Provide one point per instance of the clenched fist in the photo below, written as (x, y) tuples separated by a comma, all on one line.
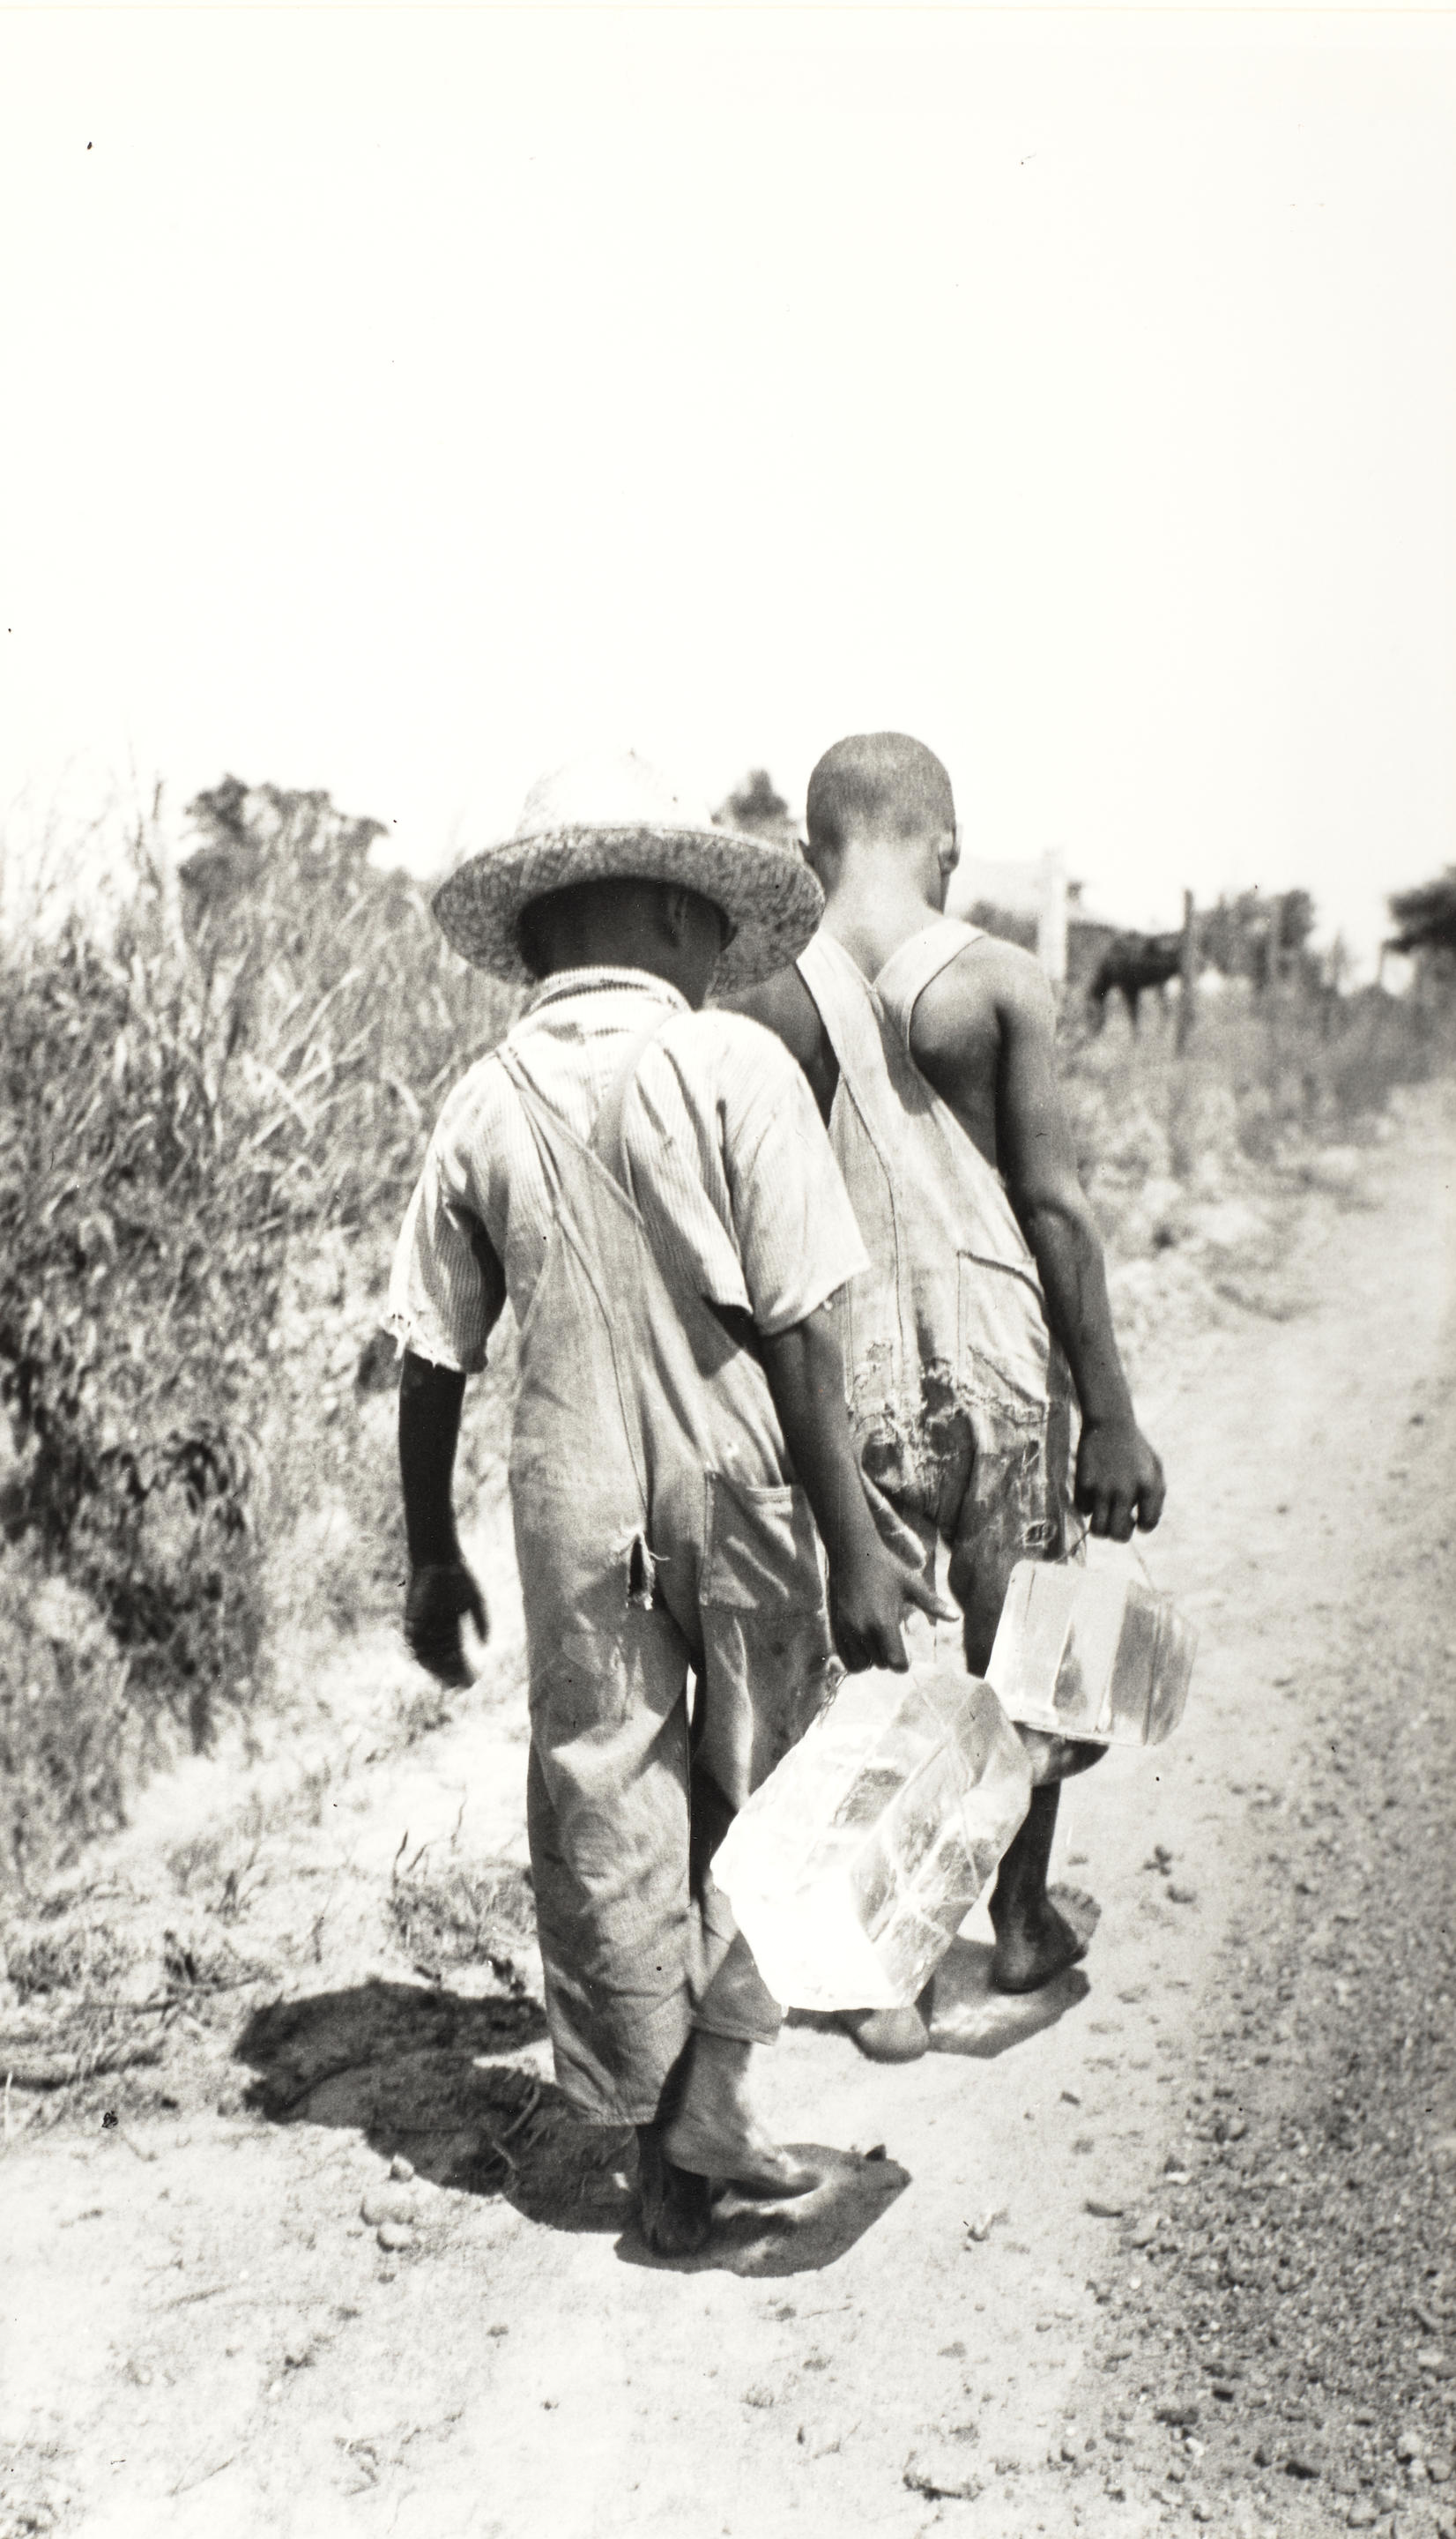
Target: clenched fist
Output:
[(1119, 1478), (438, 1598)]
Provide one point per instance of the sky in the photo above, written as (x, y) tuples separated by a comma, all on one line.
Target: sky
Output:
[(399, 402)]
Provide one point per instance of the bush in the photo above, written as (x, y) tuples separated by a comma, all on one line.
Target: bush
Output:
[(136, 1263), (67, 1729), (193, 1100)]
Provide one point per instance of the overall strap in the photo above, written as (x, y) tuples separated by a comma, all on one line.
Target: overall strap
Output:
[(914, 963), (556, 1139), (592, 1204), (848, 1006), (867, 1130), (608, 1144)]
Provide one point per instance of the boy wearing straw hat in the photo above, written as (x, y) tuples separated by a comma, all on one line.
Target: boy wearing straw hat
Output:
[(652, 1188)]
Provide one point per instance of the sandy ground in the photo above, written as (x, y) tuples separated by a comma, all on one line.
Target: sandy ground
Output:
[(987, 2316)]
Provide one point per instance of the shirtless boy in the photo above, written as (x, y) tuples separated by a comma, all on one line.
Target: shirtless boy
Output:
[(929, 1048)]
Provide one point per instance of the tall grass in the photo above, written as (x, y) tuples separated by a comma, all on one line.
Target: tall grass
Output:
[(192, 1102)]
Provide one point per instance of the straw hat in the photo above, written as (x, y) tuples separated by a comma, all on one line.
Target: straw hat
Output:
[(605, 817)]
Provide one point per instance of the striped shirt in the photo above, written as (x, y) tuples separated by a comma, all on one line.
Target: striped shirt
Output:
[(727, 1158)]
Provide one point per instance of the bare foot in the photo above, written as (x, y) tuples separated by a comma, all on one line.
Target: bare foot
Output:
[(674, 2205), (893, 2035), (1033, 1948), (1056, 1759), (717, 2132), (887, 2035)]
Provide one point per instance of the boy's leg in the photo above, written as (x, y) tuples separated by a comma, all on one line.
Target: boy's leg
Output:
[(675, 2204), (901, 2035), (765, 1647), (608, 1818), (607, 1811), (1015, 1508), (714, 2127)]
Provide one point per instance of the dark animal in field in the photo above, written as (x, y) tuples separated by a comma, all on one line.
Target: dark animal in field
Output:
[(1131, 963), (1426, 920)]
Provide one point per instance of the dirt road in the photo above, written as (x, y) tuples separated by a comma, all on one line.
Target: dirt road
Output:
[(1215, 2159)]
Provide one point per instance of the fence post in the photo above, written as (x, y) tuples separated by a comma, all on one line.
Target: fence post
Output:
[(1187, 973), (1051, 917)]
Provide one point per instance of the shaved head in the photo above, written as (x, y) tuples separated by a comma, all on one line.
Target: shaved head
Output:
[(878, 786)]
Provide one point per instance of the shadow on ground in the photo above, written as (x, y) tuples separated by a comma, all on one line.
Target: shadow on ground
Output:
[(971, 2019), (798, 2237), (968, 2017), (429, 2073)]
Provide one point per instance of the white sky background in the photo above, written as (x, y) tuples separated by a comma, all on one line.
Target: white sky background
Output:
[(399, 402)]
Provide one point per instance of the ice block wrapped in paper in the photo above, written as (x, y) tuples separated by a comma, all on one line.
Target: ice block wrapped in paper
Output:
[(1091, 1653), (853, 1866)]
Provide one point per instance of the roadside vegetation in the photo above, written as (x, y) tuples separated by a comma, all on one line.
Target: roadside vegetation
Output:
[(213, 1100), (214, 1092)]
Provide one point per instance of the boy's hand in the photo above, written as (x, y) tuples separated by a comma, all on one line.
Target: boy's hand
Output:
[(438, 1596), (867, 1595), (1119, 1478)]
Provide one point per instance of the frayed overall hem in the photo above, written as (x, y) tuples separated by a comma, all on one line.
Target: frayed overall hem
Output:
[(590, 2106), (738, 2032), (623, 2089), (616, 2119)]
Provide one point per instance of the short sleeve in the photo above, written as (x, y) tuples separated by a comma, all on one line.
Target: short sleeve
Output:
[(797, 1236), (447, 1286)]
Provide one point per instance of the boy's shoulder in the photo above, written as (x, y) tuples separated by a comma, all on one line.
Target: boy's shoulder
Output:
[(719, 1039), (987, 985), (473, 1096)]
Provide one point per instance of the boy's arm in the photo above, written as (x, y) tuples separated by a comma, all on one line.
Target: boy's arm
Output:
[(1119, 1478), (441, 1589), (869, 1587)]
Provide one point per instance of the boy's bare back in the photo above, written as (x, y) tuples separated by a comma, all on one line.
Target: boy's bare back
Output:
[(981, 1034)]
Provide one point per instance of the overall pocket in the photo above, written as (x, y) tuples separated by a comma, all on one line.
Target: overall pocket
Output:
[(760, 1547)]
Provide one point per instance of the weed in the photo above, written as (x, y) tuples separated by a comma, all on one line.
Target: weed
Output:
[(463, 1917), (195, 1963), (89, 1956)]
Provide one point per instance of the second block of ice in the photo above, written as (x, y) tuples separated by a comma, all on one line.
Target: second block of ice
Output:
[(1090, 1654), (853, 1867)]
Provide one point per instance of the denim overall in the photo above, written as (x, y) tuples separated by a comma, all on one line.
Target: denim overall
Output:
[(959, 1399), (657, 1531)]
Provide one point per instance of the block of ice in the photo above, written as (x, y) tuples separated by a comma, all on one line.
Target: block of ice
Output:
[(1091, 1653), (855, 1865)]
